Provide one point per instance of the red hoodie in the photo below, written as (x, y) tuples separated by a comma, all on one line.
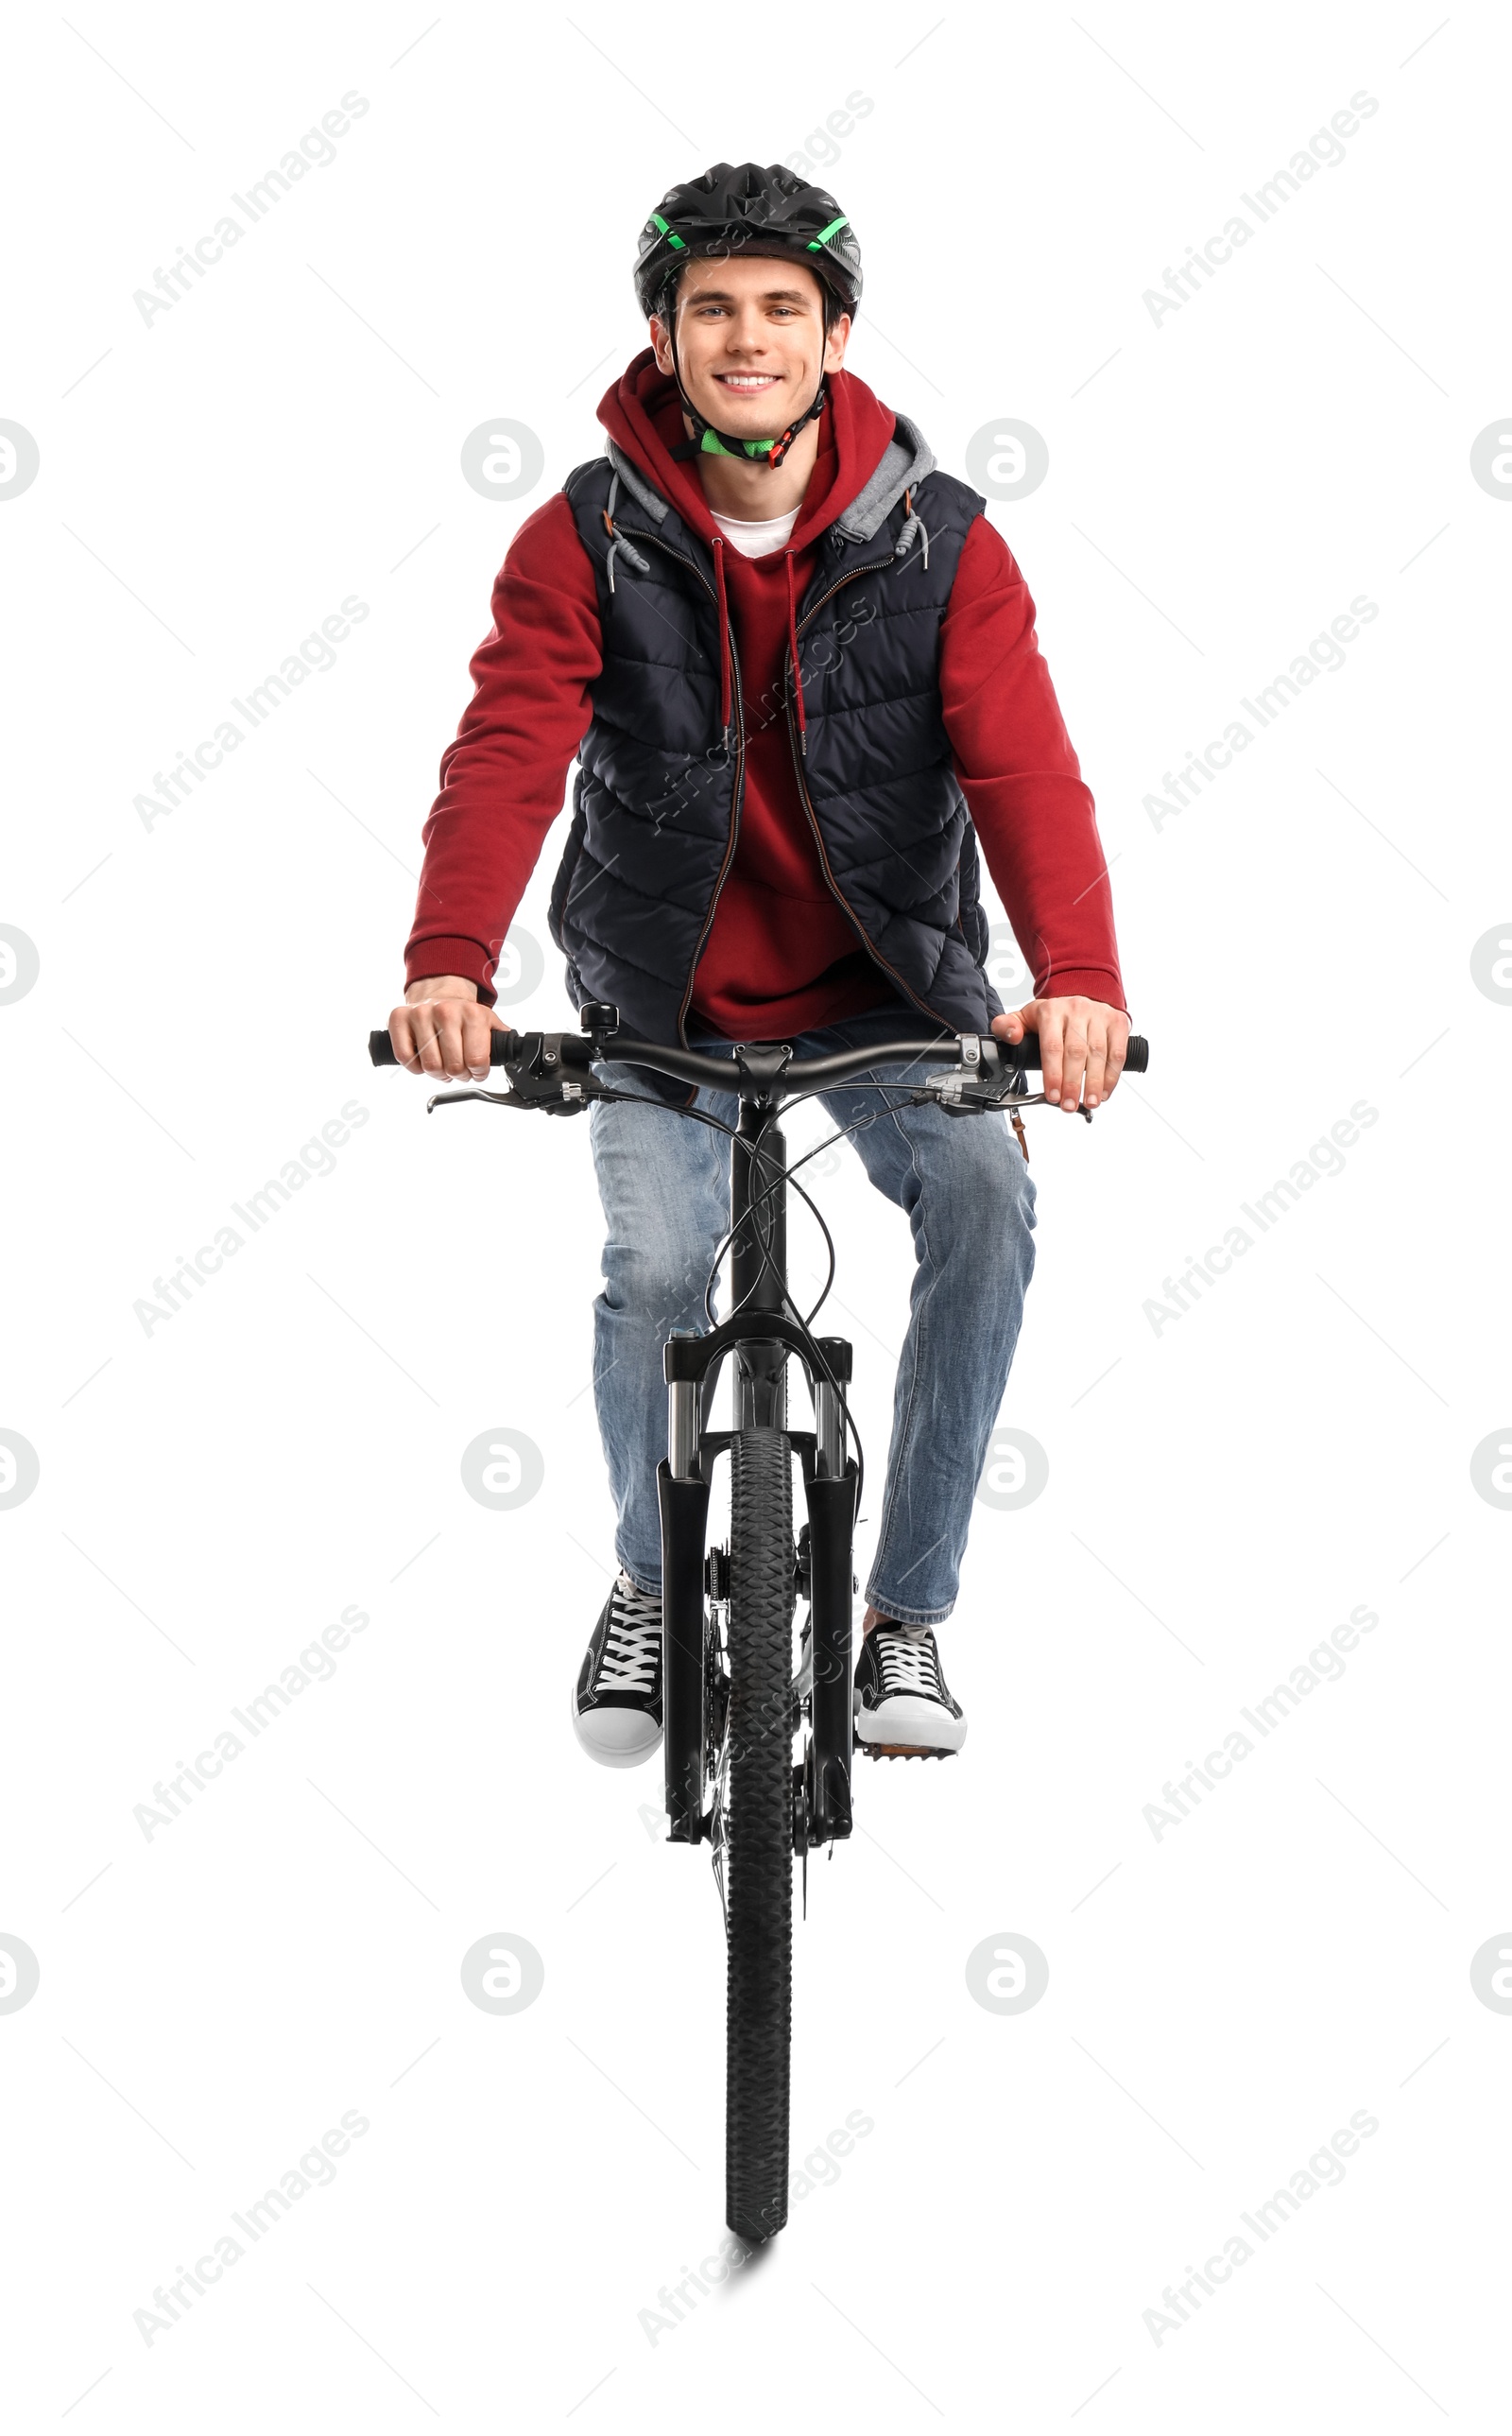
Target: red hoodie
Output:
[(782, 955)]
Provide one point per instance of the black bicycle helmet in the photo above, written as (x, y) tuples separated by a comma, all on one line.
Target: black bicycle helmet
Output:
[(756, 212), (749, 210)]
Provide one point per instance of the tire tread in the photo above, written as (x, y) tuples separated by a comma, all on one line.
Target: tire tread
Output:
[(759, 1857)]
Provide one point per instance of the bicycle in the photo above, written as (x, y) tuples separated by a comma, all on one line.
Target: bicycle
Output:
[(732, 1704)]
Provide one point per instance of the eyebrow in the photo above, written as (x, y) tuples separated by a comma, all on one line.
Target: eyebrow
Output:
[(768, 296)]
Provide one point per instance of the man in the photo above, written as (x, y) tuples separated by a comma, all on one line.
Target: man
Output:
[(798, 669)]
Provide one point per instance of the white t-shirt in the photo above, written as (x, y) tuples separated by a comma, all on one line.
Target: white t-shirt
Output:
[(756, 540)]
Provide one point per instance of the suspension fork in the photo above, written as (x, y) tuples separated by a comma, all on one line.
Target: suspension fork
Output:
[(758, 1158), (829, 1488), (758, 1278), (682, 1496), (759, 1281), (830, 1492)]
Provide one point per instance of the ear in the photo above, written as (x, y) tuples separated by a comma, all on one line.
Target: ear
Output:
[(835, 343), (661, 344)]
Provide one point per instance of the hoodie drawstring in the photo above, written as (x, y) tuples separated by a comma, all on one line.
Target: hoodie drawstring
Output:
[(724, 636), (792, 644), (609, 528), (618, 541), (915, 524)]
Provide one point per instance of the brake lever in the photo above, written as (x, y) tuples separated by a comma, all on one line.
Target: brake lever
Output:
[(1039, 1100), (961, 1095), (562, 1096), (449, 1100)]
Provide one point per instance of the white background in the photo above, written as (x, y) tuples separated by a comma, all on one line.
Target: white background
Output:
[(213, 1493)]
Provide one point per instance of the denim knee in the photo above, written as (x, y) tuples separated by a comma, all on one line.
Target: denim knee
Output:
[(976, 1190), (660, 1281)]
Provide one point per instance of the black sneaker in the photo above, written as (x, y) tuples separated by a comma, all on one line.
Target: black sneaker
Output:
[(617, 1701), (903, 1704)]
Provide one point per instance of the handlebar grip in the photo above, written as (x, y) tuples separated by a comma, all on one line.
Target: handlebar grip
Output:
[(1026, 1054), (503, 1047)]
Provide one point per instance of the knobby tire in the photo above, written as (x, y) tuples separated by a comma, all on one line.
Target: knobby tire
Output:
[(759, 1859)]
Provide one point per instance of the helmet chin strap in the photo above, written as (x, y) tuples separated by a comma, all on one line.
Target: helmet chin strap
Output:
[(709, 441)]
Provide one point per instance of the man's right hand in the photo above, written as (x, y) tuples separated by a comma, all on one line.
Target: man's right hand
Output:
[(441, 1029)]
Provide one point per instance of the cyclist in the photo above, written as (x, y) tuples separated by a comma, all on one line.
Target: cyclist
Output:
[(798, 669)]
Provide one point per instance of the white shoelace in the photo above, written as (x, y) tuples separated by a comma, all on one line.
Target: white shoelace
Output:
[(633, 1645), (908, 1664)]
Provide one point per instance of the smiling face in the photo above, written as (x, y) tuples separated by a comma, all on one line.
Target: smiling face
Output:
[(750, 341)]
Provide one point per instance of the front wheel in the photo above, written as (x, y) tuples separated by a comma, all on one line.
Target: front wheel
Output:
[(758, 1832)]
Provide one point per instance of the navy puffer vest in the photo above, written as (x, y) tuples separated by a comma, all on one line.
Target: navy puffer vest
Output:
[(657, 804)]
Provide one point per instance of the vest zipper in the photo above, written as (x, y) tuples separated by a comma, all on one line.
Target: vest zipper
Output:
[(737, 784), (835, 889)]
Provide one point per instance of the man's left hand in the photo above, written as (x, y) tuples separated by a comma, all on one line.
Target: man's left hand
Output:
[(1081, 1046)]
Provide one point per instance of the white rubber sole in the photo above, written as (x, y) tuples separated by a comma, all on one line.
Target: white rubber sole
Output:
[(631, 1753), (905, 1724)]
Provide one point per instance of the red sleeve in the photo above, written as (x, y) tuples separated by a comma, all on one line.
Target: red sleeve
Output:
[(503, 779), (1021, 779)]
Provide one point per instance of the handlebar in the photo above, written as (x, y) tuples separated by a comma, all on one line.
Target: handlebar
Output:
[(580, 1050)]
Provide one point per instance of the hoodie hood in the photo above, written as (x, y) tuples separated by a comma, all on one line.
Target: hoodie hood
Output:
[(868, 460), (868, 456)]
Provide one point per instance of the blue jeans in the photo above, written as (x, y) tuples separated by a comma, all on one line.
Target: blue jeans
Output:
[(663, 1181)]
